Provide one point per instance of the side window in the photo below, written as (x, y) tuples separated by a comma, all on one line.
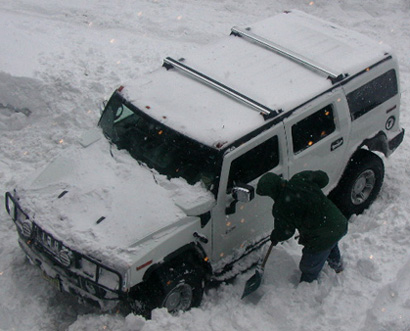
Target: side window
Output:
[(254, 163), (372, 94), (312, 129)]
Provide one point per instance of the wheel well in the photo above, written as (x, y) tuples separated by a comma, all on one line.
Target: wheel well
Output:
[(378, 143), (358, 155), (191, 253)]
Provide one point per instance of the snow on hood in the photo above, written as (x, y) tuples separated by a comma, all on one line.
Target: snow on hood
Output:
[(101, 202)]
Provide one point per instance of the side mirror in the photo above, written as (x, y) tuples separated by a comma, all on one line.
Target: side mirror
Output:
[(240, 193), (243, 193)]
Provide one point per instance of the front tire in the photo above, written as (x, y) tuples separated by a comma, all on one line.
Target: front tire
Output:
[(360, 183), (182, 288)]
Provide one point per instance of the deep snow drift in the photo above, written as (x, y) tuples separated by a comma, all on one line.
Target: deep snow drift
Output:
[(59, 60)]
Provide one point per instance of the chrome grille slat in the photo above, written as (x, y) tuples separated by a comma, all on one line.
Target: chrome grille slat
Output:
[(50, 245)]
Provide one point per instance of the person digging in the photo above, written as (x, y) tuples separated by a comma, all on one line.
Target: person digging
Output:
[(300, 204)]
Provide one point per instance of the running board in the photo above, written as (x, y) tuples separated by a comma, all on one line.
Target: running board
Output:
[(266, 112), (245, 33)]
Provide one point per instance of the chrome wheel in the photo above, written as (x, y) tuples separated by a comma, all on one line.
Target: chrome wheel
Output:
[(363, 187), (179, 298)]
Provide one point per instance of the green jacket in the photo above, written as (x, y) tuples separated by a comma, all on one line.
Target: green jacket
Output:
[(300, 204)]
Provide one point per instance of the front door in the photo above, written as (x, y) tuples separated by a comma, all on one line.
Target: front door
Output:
[(238, 226)]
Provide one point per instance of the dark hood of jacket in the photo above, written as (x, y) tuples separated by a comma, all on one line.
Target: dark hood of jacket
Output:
[(270, 185)]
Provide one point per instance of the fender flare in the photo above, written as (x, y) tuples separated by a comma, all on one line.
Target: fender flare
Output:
[(378, 143), (192, 252)]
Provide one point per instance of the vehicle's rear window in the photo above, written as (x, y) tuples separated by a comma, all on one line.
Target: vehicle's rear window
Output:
[(372, 94)]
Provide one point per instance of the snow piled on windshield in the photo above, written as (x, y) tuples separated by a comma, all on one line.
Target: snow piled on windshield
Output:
[(59, 60)]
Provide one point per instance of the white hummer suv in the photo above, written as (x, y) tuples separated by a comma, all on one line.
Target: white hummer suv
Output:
[(167, 203)]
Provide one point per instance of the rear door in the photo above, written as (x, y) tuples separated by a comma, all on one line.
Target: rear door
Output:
[(318, 134)]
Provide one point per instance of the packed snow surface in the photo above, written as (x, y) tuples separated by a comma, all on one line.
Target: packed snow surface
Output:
[(60, 59)]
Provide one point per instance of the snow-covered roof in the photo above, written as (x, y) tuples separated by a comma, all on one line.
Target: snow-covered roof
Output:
[(273, 80)]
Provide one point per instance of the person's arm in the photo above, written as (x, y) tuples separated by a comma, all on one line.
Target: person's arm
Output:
[(284, 229), (320, 178)]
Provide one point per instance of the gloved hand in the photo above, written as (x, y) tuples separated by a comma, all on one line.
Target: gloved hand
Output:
[(273, 239)]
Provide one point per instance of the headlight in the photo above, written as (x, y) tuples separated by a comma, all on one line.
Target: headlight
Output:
[(108, 279), (14, 210), (125, 282), (10, 206)]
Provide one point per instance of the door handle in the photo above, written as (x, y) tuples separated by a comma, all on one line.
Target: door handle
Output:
[(336, 144)]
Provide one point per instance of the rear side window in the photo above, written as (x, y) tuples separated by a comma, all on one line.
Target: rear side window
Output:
[(254, 163), (312, 129), (372, 94)]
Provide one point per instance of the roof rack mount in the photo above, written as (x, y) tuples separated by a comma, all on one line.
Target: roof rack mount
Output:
[(245, 33), (266, 112)]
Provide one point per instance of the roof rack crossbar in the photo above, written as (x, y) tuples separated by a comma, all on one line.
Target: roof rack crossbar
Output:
[(334, 77), (266, 112)]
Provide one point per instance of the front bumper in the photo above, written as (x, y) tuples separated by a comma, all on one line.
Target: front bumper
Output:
[(68, 270), (73, 285)]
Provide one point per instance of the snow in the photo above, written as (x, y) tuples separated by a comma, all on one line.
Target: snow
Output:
[(341, 50), (237, 63), (59, 59), (100, 186)]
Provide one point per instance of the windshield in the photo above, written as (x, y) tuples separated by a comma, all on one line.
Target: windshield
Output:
[(159, 147)]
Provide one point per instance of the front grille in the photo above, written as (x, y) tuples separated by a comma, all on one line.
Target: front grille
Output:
[(52, 247), (70, 263), (40, 246)]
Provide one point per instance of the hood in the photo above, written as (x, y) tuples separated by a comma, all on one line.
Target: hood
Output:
[(100, 200)]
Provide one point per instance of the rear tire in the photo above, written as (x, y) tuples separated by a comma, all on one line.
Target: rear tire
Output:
[(360, 183)]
